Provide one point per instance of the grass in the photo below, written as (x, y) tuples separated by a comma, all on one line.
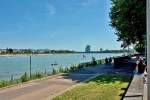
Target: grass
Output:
[(103, 87)]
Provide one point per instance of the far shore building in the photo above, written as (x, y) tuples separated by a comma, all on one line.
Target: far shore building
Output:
[(88, 48), (2, 51), (16, 51)]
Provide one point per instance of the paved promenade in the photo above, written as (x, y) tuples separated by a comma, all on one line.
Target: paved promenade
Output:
[(136, 89), (45, 88)]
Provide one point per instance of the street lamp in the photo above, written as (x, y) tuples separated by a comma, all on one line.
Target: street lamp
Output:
[(30, 66), (145, 46), (148, 45)]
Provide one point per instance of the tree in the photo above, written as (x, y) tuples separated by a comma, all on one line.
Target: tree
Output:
[(128, 17), (9, 50), (101, 49)]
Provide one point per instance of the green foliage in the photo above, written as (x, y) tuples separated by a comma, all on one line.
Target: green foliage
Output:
[(49, 73), (12, 78), (27, 51), (25, 77), (66, 70), (99, 61), (140, 48), (93, 62), (45, 72), (39, 75), (16, 81), (72, 68), (128, 17), (9, 50), (87, 64), (61, 70), (79, 66), (54, 71), (4, 83), (102, 61)]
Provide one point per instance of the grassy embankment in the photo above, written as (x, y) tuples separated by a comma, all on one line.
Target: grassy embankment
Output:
[(25, 77), (103, 87)]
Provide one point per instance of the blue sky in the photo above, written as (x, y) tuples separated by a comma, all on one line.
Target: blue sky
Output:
[(56, 24)]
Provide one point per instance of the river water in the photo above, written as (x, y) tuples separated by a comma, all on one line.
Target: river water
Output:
[(17, 65)]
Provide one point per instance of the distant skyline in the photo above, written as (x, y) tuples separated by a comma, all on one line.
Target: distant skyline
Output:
[(56, 24)]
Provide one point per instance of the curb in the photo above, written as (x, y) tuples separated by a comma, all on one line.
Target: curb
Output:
[(130, 92), (145, 94)]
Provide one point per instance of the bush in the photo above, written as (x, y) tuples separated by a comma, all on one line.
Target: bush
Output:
[(54, 71), (79, 66), (87, 64), (16, 81), (45, 72), (11, 79), (93, 62), (25, 77), (99, 62), (38, 75), (73, 68), (4, 83), (61, 70), (66, 70), (49, 73)]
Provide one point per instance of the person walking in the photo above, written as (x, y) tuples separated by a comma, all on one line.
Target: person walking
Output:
[(106, 60)]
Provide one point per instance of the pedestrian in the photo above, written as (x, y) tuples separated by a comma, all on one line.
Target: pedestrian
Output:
[(110, 60), (137, 62), (106, 60), (141, 66)]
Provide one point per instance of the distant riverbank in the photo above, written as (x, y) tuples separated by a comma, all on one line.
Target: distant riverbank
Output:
[(11, 55)]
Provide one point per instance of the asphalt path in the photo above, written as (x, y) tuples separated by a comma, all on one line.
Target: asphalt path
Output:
[(50, 86)]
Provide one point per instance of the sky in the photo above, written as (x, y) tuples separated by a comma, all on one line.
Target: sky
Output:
[(56, 24)]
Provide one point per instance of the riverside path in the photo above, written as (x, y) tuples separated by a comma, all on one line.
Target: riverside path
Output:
[(48, 87)]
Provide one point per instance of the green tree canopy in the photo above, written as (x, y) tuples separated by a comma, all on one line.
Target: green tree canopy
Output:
[(128, 17)]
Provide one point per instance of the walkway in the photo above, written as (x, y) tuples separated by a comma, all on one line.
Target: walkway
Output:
[(136, 89), (43, 89)]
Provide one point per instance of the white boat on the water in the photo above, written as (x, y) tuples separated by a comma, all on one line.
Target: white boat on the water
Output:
[(54, 64)]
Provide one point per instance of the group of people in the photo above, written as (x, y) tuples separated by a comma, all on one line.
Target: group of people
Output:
[(108, 60), (141, 66)]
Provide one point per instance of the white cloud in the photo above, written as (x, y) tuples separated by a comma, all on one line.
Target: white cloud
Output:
[(51, 9), (88, 3), (85, 4)]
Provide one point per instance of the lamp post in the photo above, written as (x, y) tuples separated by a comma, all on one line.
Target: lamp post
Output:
[(145, 47), (30, 67), (148, 45)]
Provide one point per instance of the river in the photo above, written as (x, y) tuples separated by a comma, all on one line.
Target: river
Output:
[(17, 65)]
